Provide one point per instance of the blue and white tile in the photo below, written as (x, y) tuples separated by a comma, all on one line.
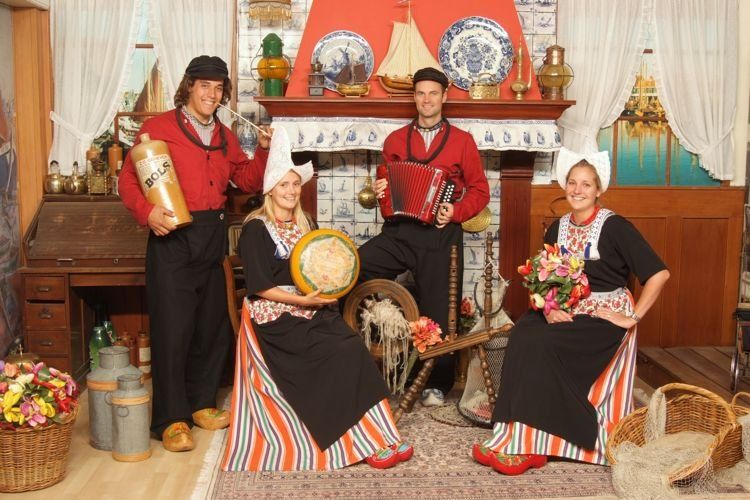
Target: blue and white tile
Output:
[(368, 215), (524, 5), (544, 23), (247, 90), (345, 227), (325, 186), (545, 5), (541, 42), (325, 210), (473, 257), (249, 110), (343, 209), (342, 187), (495, 191), (527, 21), (363, 232), (343, 163)]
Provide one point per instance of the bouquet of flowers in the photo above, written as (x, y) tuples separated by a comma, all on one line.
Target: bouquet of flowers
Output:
[(424, 333), (468, 315), (555, 279), (34, 395)]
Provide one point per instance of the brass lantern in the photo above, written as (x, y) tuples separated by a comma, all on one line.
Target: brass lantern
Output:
[(271, 10), (555, 75)]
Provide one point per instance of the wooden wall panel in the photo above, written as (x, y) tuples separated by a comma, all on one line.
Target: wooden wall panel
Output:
[(698, 234), (33, 83)]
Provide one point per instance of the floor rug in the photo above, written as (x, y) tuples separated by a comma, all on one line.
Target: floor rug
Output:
[(441, 468)]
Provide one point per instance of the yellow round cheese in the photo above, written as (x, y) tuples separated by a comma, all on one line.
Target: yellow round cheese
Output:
[(325, 260)]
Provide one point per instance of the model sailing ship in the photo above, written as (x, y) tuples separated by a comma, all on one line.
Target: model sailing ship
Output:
[(352, 81), (407, 52)]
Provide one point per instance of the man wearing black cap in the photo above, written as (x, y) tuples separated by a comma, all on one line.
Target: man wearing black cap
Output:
[(405, 244), (190, 332)]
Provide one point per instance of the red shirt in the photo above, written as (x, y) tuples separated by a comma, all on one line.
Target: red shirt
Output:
[(203, 175), (459, 157)]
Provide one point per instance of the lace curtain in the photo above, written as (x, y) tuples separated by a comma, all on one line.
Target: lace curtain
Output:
[(603, 43), (92, 47), (696, 48), (184, 29)]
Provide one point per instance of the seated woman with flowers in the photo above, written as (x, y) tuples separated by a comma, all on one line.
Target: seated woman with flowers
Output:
[(307, 394), (558, 362)]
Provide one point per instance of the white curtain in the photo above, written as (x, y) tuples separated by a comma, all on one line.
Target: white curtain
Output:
[(696, 49), (184, 29), (92, 47), (603, 41)]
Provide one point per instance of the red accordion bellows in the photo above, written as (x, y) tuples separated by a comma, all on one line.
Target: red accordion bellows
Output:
[(414, 190)]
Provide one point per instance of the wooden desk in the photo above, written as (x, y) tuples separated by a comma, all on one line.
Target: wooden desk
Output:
[(79, 252)]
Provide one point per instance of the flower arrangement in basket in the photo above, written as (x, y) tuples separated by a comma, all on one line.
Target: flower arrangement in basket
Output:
[(38, 405), (555, 279)]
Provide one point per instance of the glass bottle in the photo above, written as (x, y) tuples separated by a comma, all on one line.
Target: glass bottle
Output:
[(110, 329), (98, 340)]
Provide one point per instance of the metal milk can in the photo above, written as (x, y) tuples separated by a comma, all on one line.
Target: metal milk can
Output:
[(113, 362), (131, 437)]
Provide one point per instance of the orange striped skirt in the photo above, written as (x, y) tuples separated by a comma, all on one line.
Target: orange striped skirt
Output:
[(612, 397), (266, 434)]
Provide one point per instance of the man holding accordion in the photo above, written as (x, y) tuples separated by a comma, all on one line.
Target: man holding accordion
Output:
[(432, 180)]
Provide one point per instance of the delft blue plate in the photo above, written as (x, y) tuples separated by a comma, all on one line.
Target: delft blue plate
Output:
[(475, 45), (340, 48)]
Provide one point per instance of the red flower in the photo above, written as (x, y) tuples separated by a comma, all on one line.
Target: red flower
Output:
[(526, 269)]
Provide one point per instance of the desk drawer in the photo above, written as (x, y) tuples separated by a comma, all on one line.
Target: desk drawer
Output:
[(45, 288), (43, 316), (48, 343)]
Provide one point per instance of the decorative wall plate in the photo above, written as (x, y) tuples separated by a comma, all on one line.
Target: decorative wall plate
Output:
[(325, 260), (339, 49), (475, 45)]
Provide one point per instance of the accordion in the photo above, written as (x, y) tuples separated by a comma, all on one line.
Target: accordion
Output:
[(414, 190)]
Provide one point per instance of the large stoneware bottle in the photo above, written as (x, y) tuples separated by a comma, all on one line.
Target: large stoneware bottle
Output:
[(158, 179)]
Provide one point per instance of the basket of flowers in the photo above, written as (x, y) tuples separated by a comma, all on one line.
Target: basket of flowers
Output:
[(38, 406)]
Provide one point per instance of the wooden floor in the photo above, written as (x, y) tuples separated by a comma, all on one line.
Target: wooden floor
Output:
[(94, 474), (706, 367)]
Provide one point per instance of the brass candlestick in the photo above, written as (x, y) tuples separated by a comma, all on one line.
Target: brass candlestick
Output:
[(519, 86)]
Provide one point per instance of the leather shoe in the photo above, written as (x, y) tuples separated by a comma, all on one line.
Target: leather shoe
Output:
[(211, 419), (177, 437)]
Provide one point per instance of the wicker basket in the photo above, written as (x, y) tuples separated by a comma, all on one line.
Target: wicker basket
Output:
[(32, 459), (697, 410), (731, 448)]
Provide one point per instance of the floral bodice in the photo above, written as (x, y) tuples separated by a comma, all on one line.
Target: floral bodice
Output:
[(285, 236)]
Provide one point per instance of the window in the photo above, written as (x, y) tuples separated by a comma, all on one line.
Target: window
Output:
[(144, 93), (643, 148)]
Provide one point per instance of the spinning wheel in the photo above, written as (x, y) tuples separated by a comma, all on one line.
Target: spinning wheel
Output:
[(378, 289)]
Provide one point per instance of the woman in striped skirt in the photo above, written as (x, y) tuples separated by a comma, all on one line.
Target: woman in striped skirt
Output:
[(307, 394), (567, 378)]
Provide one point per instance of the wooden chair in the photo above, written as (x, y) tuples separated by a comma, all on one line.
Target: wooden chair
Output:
[(235, 296)]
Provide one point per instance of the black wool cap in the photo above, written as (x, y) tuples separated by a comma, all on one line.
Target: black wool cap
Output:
[(208, 67), (432, 75)]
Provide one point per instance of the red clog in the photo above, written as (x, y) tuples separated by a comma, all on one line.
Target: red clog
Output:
[(385, 458), (513, 465), (481, 454), (403, 451)]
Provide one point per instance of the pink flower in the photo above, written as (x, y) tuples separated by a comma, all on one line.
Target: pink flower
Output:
[(549, 301), (425, 333)]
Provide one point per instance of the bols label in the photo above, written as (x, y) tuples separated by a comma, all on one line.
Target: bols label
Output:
[(155, 171)]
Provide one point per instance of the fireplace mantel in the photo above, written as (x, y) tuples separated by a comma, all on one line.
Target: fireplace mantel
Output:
[(382, 107), (517, 165)]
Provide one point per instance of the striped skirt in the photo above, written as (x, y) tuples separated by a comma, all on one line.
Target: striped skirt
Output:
[(266, 434), (612, 397)]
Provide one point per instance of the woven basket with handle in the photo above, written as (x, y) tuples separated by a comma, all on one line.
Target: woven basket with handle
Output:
[(689, 408), (730, 450), (35, 458)]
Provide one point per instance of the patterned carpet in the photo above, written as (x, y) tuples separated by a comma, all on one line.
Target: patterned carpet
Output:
[(441, 468)]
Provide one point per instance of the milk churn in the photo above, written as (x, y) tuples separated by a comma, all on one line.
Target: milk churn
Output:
[(113, 362), (131, 437), (158, 179)]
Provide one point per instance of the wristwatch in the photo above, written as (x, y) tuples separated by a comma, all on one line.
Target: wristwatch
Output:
[(635, 317)]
